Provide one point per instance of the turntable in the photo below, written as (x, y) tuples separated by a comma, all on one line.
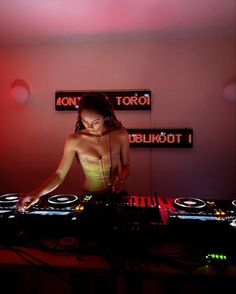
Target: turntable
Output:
[(179, 209), (61, 204), (9, 199), (189, 204), (52, 216), (63, 200), (8, 204)]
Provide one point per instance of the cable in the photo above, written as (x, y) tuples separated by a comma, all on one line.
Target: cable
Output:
[(110, 171), (37, 263)]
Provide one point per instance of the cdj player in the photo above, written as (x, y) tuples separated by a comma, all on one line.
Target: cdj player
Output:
[(51, 215), (64, 204), (188, 208)]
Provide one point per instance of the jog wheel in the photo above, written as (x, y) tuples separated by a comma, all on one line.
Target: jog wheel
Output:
[(9, 199), (189, 203), (63, 200)]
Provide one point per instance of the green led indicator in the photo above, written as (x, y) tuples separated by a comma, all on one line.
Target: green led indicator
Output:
[(87, 197), (216, 256)]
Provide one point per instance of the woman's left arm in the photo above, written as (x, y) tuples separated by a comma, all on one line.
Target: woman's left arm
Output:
[(124, 155), (119, 181)]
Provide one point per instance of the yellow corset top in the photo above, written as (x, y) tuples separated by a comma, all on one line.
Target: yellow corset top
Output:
[(97, 171)]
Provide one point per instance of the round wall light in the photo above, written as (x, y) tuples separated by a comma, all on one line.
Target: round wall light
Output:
[(229, 92), (19, 91)]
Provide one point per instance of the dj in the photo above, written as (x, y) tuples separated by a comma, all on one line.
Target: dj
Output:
[(100, 143)]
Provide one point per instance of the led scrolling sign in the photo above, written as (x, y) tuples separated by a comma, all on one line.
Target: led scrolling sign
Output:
[(168, 138), (132, 100), (121, 100)]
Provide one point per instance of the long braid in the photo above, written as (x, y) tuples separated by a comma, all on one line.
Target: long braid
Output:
[(78, 123)]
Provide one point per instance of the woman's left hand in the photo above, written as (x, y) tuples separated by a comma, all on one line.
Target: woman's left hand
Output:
[(118, 184)]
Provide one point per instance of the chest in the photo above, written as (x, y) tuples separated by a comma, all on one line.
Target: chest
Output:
[(98, 147)]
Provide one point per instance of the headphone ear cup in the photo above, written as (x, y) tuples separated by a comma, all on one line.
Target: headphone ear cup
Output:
[(107, 118)]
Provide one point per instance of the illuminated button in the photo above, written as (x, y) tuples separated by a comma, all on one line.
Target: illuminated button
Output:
[(88, 197), (79, 208)]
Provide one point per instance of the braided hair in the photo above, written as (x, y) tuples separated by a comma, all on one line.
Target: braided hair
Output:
[(98, 103)]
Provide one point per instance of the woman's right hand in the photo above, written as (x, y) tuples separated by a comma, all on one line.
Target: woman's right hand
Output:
[(26, 201)]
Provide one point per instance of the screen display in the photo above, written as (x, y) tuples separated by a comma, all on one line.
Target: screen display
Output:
[(202, 218), (52, 212)]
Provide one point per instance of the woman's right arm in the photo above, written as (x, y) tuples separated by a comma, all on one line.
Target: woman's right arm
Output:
[(28, 199)]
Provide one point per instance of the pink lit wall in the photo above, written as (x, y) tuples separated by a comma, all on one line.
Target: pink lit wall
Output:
[(186, 78)]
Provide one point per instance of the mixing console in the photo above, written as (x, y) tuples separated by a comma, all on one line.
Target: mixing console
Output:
[(72, 214)]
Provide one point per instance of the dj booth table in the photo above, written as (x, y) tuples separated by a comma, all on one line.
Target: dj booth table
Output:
[(32, 270), (128, 251)]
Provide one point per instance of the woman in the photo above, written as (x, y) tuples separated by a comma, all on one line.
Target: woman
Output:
[(100, 143)]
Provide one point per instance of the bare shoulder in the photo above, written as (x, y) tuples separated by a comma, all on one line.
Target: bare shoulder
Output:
[(72, 139), (121, 133), (75, 136)]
